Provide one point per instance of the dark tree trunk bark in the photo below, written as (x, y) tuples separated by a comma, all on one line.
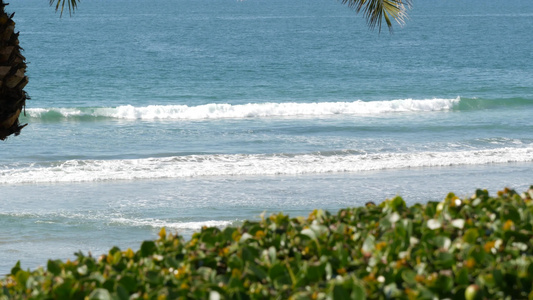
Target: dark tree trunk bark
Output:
[(12, 76)]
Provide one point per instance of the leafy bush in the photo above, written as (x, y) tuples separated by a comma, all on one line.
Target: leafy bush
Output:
[(474, 248)]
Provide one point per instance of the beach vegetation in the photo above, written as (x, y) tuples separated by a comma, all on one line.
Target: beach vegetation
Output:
[(479, 247)]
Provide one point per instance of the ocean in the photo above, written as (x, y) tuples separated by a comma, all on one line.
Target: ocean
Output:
[(182, 114)]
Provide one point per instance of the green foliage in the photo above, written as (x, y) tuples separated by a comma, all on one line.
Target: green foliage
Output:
[(60, 5), (377, 11), (474, 248)]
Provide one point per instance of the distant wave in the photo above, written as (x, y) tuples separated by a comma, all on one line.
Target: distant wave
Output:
[(75, 217), (155, 223), (237, 111), (249, 164)]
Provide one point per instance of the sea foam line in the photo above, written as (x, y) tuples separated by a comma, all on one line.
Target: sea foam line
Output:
[(250, 110), (246, 164), (156, 223), (64, 217)]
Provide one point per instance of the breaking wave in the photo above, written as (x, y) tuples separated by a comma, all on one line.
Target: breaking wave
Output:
[(156, 223), (236, 111), (249, 164)]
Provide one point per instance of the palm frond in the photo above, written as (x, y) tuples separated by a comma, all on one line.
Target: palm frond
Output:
[(71, 4), (376, 10)]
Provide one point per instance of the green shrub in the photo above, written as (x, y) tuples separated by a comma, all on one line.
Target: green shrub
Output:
[(474, 248)]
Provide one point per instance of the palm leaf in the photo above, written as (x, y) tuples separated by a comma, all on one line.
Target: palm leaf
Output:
[(71, 4), (376, 10)]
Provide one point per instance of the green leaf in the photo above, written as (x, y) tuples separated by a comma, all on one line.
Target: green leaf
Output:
[(228, 233), (482, 194), (122, 293), (445, 282), (98, 277), (235, 283), (310, 233), (235, 262), (511, 213), (148, 248), (409, 276), (329, 271), (369, 244), (22, 277), (277, 271), (431, 209), (128, 282), (6, 292), (498, 276), (210, 235), (470, 236), (316, 272), (301, 296), (82, 270), (478, 254), (445, 260), (54, 267), (397, 204), (272, 254), (65, 290), (461, 277), (442, 242), (340, 293), (16, 268), (154, 277), (258, 271), (171, 262), (109, 284), (249, 253), (100, 294), (392, 291), (358, 292)]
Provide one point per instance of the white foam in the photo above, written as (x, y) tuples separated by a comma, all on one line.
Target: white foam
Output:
[(63, 217), (251, 164), (156, 223), (250, 110)]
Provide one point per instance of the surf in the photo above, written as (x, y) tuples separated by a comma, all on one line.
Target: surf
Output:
[(214, 111), (190, 166)]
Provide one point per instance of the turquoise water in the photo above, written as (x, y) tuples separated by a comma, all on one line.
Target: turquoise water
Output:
[(188, 113)]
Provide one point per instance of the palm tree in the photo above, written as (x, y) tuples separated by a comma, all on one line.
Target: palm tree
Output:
[(12, 77), (12, 71), (13, 66), (377, 10)]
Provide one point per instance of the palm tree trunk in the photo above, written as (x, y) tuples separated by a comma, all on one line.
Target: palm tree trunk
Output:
[(12, 76)]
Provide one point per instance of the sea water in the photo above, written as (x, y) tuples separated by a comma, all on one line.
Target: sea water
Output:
[(182, 114)]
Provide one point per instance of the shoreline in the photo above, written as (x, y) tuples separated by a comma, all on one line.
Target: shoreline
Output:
[(89, 223)]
